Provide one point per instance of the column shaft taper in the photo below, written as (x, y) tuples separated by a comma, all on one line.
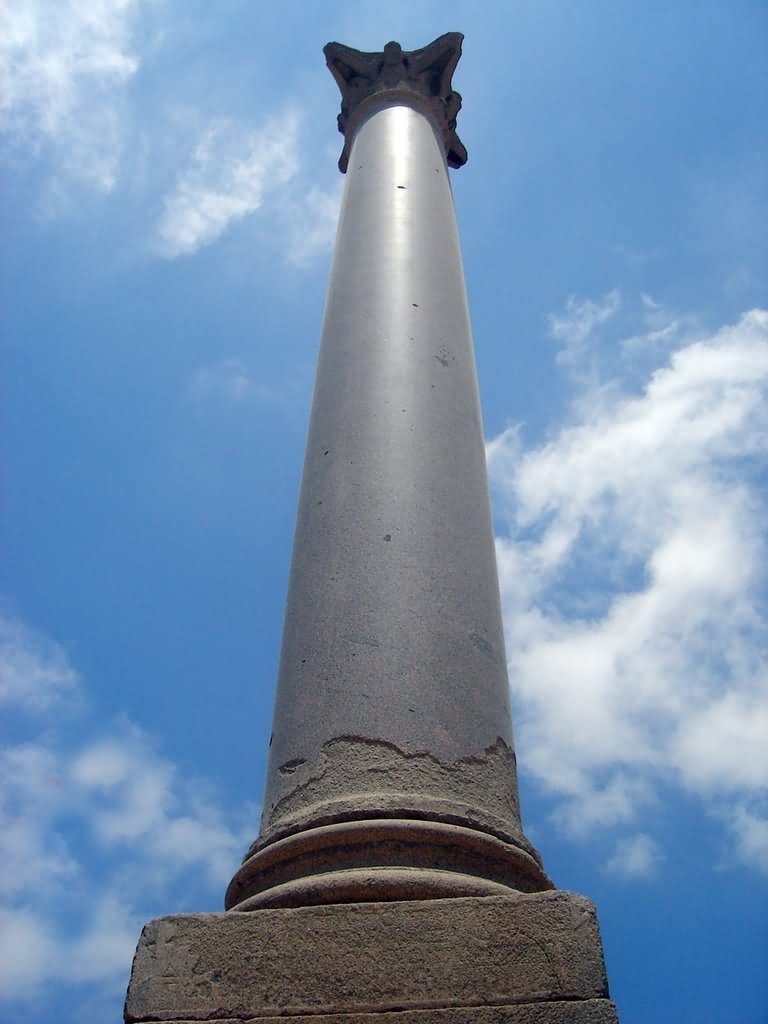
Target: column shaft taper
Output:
[(392, 700)]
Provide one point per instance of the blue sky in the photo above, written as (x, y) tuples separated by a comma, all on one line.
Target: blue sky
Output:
[(169, 202)]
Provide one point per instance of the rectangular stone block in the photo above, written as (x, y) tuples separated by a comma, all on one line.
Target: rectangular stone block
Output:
[(590, 1011), (375, 958)]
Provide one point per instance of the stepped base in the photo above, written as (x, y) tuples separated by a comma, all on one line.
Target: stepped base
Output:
[(517, 959)]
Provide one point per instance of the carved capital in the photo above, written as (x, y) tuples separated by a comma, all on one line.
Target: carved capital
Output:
[(426, 72)]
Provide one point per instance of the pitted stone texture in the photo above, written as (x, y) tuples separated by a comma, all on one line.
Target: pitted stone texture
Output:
[(382, 860), (478, 790), (588, 1012), (591, 1011), (369, 958)]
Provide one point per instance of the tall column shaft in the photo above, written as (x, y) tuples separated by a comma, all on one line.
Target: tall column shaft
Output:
[(392, 706), (393, 629)]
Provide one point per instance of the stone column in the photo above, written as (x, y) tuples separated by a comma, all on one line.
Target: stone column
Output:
[(391, 769), (391, 882)]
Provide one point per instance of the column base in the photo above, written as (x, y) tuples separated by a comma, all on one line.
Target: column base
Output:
[(517, 959), (382, 860)]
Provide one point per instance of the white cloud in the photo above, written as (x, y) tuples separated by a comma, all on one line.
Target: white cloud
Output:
[(63, 68), (33, 953), (231, 172), (724, 745), (26, 950), (65, 75), (313, 223), (92, 832), (106, 944), (33, 671), (632, 256), (634, 857), (234, 172), (633, 579), (229, 379), (659, 334), (576, 325), (33, 859), (129, 787), (232, 381), (134, 797), (751, 831)]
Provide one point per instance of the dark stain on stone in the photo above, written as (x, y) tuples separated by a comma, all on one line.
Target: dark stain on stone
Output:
[(482, 645), (442, 360), (388, 536), (415, 305), (401, 186), (290, 766), (365, 640)]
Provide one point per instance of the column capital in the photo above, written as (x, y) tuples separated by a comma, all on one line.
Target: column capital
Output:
[(426, 73)]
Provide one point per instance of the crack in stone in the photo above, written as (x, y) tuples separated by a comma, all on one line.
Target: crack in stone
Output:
[(467, 790), (456, 766)]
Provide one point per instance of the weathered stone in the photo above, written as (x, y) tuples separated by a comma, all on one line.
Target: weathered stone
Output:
[(424, 73), (391, 882), (384, 859), (392, 698), (370, 958), (591, 1011)]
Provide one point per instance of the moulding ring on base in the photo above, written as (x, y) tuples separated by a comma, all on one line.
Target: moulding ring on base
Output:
[(382, 859)]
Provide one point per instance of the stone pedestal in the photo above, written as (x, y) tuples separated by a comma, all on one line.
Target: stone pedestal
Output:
[(528, 959)]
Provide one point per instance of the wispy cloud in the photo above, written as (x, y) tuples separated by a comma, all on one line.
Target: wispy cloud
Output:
[(63, 68), (230, 174), (65, 102), (751, 833), (312, 223), (34, 672), (35, 953), (633, 256), (236, 171), (92, 830), (229, 379), (634, 857), (576, 325), (633, 581), (131, 797)]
